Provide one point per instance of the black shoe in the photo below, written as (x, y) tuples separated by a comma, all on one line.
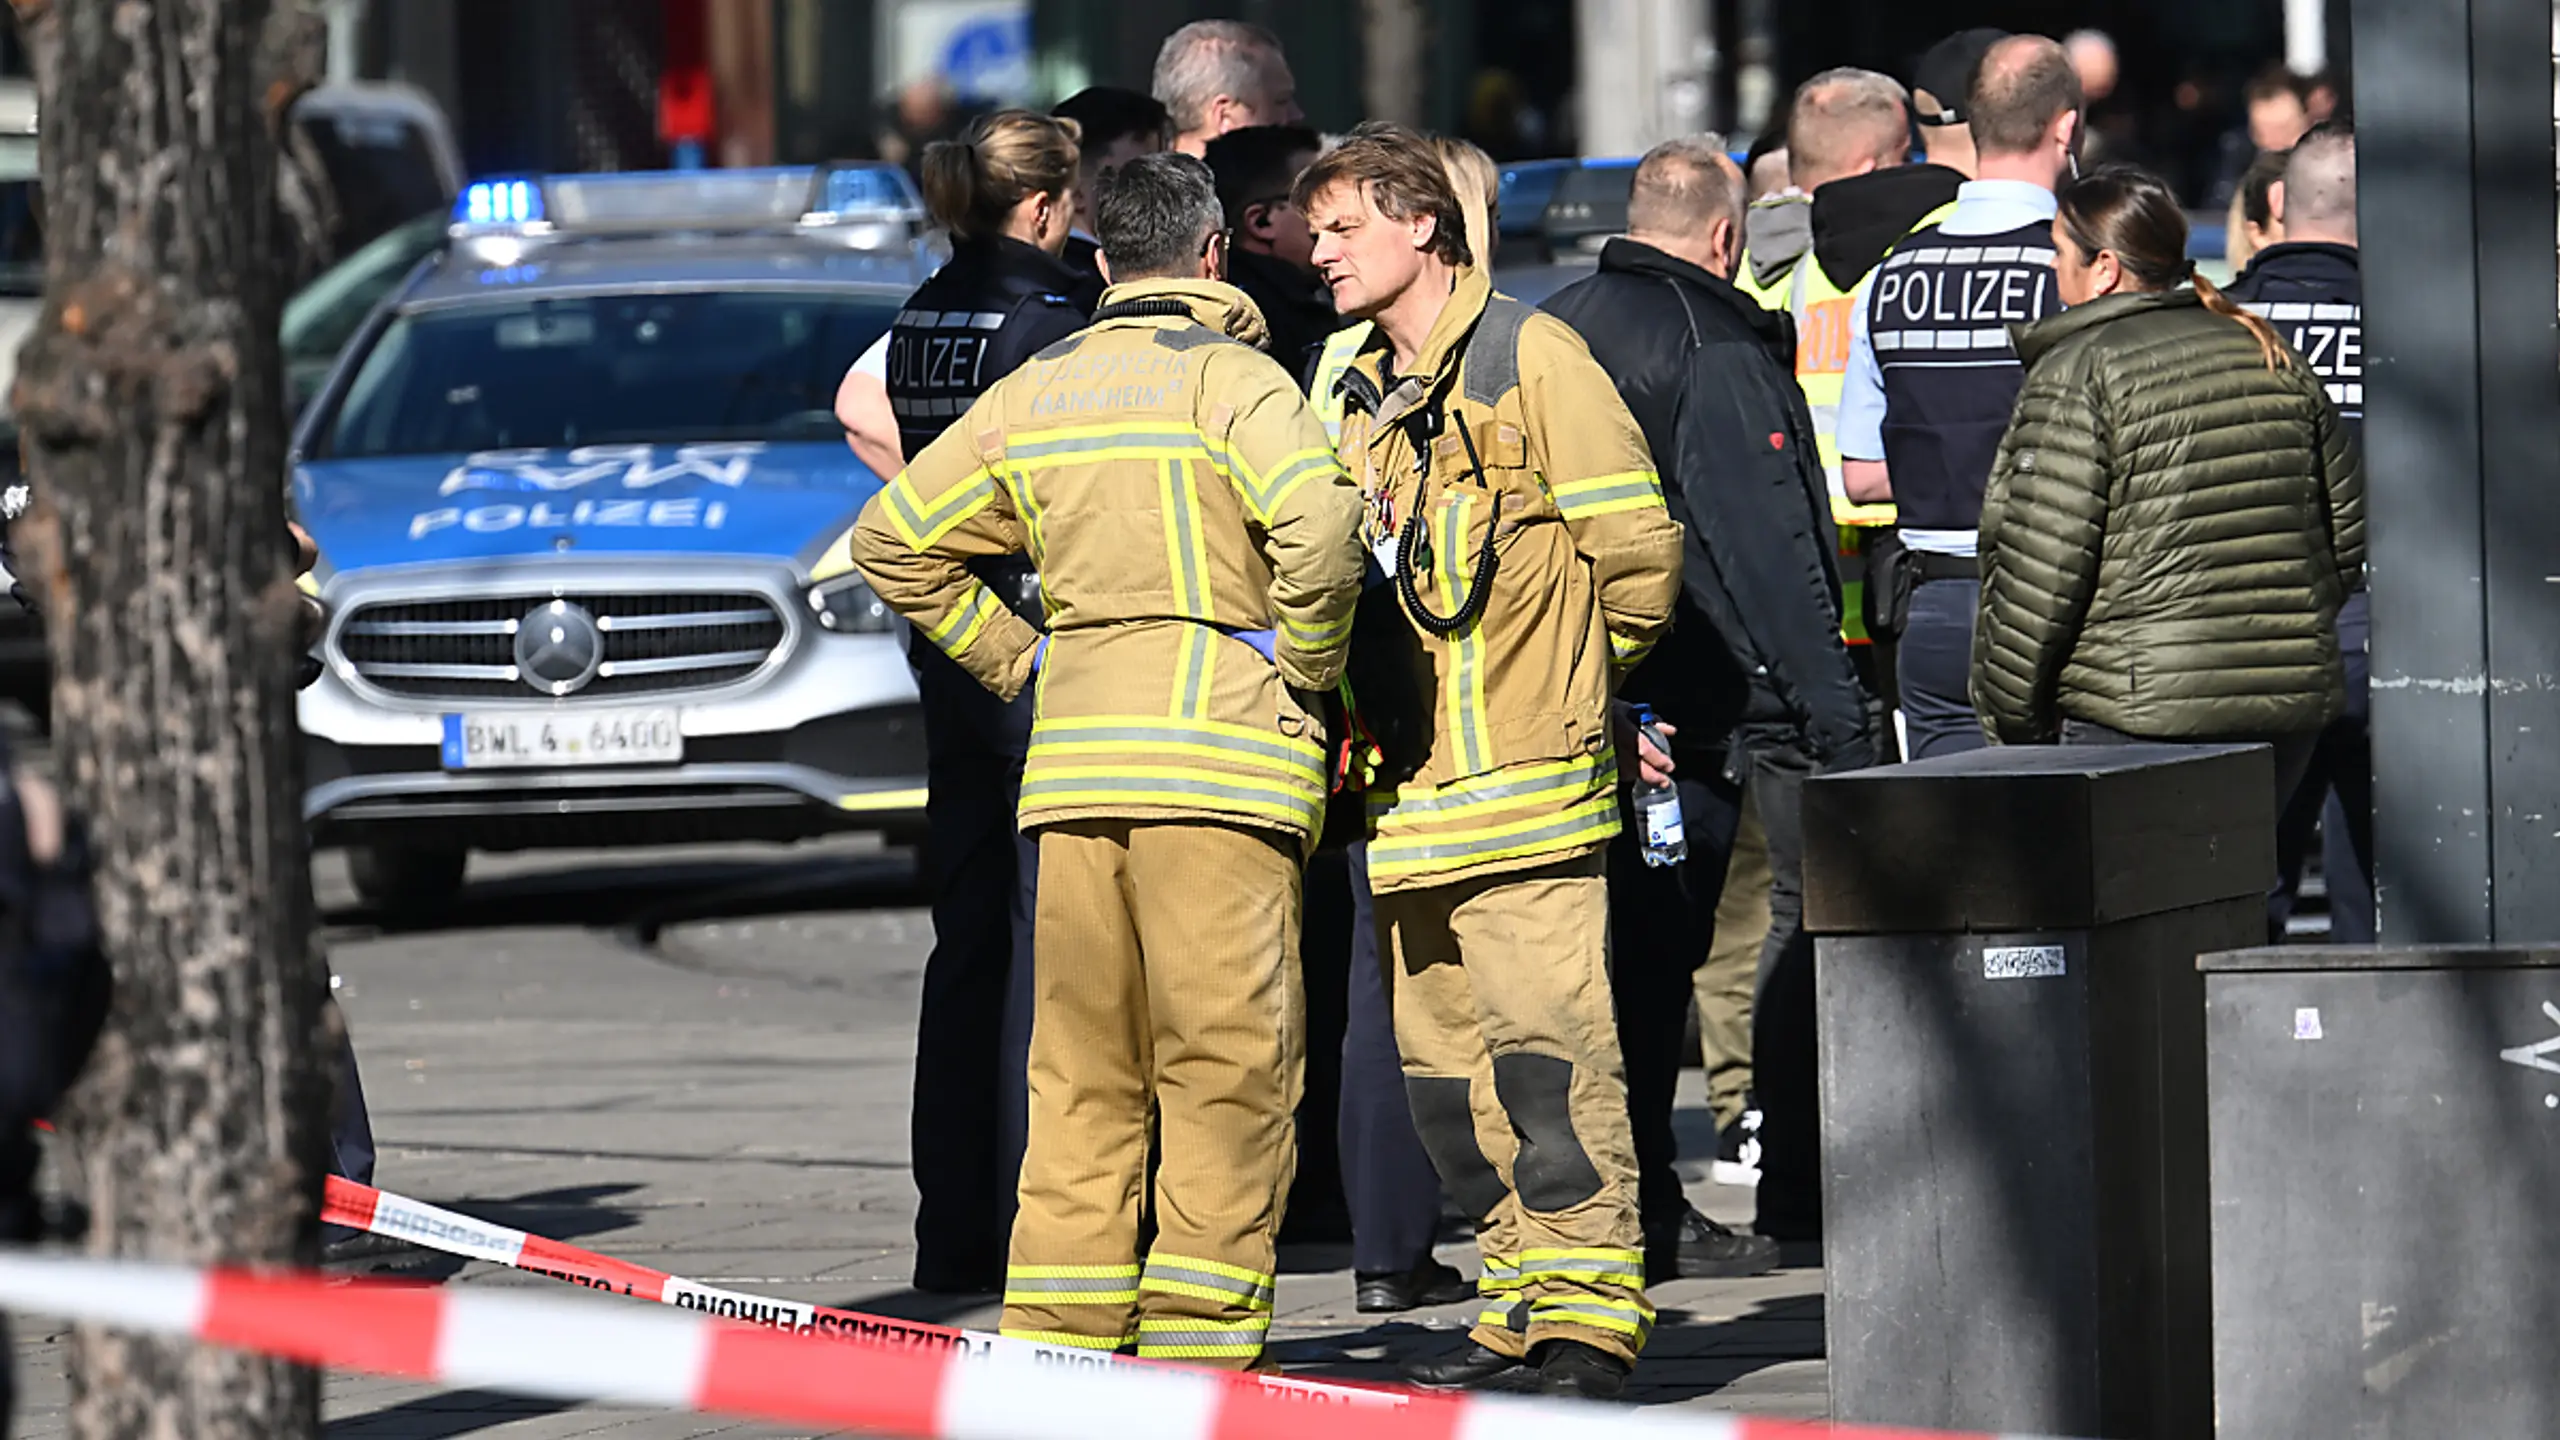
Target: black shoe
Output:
[(1427, 1284), (1582, 1372), (1699, 1248), (362, 1252), (1463, 1370)]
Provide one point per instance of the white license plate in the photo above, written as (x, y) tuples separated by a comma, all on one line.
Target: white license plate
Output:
[(500, 741)]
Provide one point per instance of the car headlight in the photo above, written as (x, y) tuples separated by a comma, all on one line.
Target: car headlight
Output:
[(849, 606)]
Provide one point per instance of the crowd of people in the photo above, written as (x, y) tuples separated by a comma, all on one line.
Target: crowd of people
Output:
[(1283, 594)]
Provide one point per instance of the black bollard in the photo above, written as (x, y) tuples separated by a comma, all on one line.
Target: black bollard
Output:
[(2386, 1181), (2011, 1041)]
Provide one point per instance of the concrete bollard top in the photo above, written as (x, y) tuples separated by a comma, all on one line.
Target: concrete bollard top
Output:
[(2040, 837)]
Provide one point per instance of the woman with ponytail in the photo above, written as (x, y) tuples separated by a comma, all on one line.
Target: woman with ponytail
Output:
[(2176, 512), (1006, 192)]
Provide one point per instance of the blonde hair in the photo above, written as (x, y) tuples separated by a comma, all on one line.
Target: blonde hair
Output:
[(1478, 183), (972, 184)]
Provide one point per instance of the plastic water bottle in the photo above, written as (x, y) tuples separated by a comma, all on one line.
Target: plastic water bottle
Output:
[(1658, 805)]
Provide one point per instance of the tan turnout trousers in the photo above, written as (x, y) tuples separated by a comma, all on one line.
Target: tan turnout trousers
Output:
[(1500, 991), (1726, 983), (1168, 983)]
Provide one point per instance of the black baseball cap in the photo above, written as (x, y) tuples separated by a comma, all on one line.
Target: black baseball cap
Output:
[(1945, 73)]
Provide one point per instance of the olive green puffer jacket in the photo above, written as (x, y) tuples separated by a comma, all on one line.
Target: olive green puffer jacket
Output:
[(2169, 530)]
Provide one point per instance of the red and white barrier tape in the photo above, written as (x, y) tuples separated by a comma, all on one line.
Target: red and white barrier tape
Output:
[(576, 1351), (379, 1212)]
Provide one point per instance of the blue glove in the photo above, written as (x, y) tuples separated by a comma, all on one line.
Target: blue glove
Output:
[(1039, 654), (1263, 642)]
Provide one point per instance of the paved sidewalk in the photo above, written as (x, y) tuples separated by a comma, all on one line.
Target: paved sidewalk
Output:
[(729, 1103)]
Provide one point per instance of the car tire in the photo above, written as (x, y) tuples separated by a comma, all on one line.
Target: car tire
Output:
[(407, 882)]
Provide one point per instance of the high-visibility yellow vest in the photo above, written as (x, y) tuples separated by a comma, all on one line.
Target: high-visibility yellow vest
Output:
[(1331, 363), (1772, 296), (1823, 313)]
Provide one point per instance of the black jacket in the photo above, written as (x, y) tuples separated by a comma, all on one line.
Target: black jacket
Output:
[(1756, 647), (945, 350), (1295, 304), (1083, 256), (1857, 221)]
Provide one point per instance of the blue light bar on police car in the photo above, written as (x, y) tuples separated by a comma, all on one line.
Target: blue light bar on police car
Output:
[(868, 191), (863, 205), (499, 202), (679, 199)]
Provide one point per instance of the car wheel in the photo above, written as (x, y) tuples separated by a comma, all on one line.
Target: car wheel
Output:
[(406, 881)]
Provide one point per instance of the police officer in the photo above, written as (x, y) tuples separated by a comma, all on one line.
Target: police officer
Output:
[(1514, 505), (1932, 378), (1200, 545), (1005, 191), (1848, 133), (2310, 289)]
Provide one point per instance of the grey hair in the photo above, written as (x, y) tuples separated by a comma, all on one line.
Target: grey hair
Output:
[(2320, 180), (1209, 58), (1155, 215), (1843, 117), (1684, 185)]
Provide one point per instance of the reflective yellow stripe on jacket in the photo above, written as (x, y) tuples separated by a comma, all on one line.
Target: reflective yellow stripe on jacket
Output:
[(1175, 763), (1552, 808), (1331, 363)]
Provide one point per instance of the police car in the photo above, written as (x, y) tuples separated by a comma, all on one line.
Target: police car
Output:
[(567, 481)]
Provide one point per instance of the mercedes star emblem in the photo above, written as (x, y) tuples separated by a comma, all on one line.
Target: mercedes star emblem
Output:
[(558, 648)]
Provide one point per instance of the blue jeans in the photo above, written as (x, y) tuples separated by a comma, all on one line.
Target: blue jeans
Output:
[(1935, 667)]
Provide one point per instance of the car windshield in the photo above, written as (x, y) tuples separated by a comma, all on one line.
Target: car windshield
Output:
[(323, 316), (381, 171), (607, 369)]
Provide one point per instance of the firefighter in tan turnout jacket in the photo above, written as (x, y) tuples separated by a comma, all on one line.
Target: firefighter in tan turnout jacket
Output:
[(1197, 540), (1512, 502)]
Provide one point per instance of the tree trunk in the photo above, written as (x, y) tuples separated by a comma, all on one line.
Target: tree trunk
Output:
[(151, 402), (1393, 80)]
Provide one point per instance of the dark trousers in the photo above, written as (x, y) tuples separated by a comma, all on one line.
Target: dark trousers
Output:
[(350, 1126), (1387, 1180), (18, 1159), (2335, 801), (1662, 923), (1785, 1065), (973, 1035), (1935, 657)]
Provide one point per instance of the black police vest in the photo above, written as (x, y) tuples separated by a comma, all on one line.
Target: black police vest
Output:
[(978, 319), (2314, 298), (996, 304), (1938, 315)]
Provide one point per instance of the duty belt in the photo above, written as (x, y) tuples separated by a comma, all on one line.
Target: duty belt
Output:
[(1929, 566)]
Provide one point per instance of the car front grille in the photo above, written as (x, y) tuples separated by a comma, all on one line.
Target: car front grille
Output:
[(650, 644)]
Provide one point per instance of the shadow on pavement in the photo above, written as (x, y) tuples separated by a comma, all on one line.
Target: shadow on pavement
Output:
[(438, 1417), (922, 1307), (641, 898), (569, 1213), (1687, 1359)]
